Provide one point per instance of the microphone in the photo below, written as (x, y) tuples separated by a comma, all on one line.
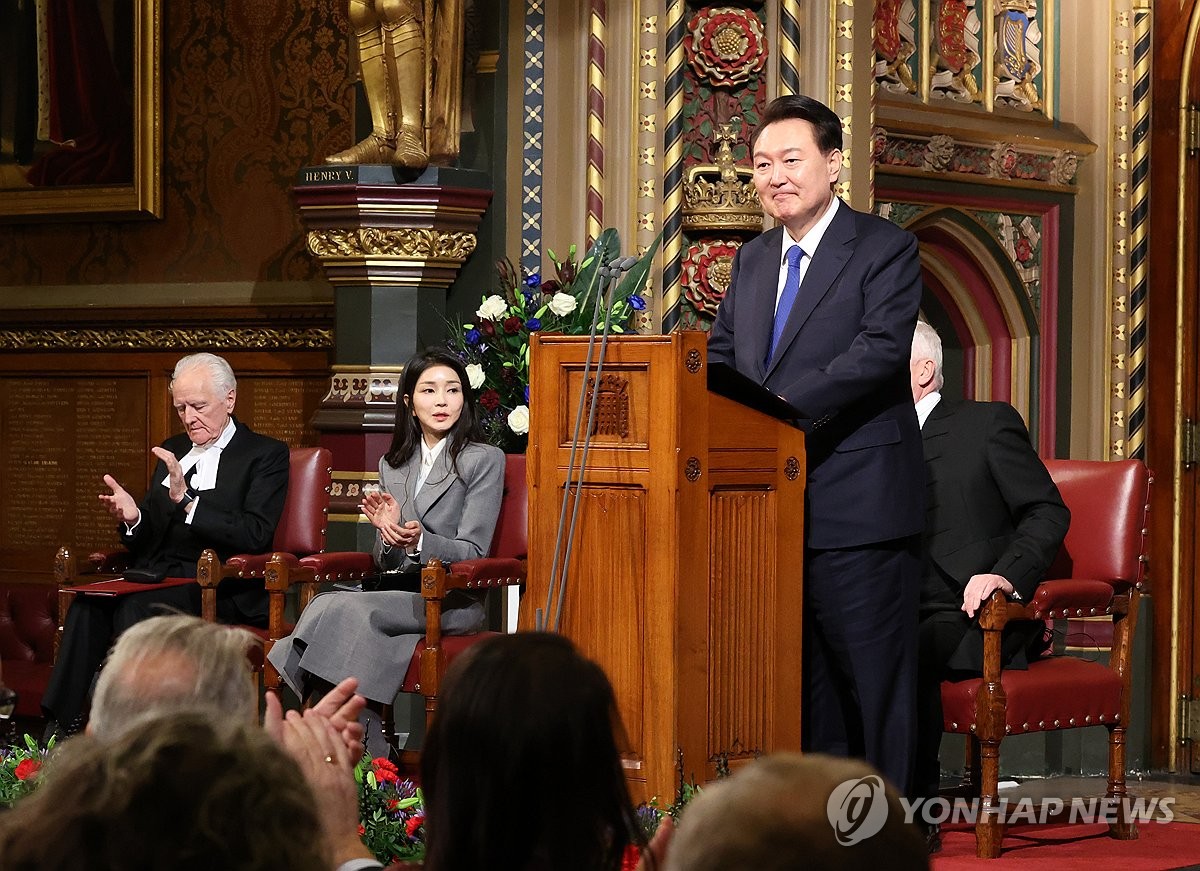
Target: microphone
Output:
[(618, 267)]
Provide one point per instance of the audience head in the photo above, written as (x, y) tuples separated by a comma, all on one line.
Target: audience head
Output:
[(522, 754), (771, 816), (204, 392), (925, 361), (183, 792), (425, 374), (175, 663)]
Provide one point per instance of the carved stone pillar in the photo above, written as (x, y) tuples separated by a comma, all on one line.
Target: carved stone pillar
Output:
[(391, 249)]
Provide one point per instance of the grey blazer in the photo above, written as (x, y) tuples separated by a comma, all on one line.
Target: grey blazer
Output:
[(457, 511), (372, 635)]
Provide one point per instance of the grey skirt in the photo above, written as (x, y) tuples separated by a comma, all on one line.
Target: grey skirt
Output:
[(370, 636)]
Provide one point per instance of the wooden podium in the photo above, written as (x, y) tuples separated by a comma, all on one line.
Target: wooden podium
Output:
[(684, 581)]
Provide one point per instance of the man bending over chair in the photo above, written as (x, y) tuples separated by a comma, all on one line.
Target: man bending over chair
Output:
[(218, 485), (994, 521)]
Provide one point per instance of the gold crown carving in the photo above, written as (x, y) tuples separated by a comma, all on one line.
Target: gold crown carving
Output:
[(721, 195)]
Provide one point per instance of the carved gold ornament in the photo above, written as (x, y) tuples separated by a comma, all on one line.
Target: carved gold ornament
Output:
[(408, 244), (721, 195), (120, 339)]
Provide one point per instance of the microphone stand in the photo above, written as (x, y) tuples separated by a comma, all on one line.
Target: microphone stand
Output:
[(558, 581)]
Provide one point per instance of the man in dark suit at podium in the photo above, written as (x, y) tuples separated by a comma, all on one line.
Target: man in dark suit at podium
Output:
[(995, 521), (218, 485), (820, 311)]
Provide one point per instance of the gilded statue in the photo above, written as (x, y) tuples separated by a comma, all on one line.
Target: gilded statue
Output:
[(410, 56)]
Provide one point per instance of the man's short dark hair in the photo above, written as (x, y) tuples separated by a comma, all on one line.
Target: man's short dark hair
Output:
[(827, 127)]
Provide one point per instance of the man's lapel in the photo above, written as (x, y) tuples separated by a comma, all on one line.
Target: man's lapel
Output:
[(837, 245), (232, 456), (763, 278), (936, 427)]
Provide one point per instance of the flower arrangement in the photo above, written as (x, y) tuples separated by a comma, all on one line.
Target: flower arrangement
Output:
[(391, 812), (19, 767), (495, 346)]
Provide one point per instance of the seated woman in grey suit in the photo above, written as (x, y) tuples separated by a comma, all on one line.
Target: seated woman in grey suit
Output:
[(439, 498)]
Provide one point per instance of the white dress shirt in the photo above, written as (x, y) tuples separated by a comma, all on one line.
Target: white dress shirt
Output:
[(925, 406), (809, 245)]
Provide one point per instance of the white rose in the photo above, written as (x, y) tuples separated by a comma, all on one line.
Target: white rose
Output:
[(493, 308), (518, 419), (475, 375), (563, 304)]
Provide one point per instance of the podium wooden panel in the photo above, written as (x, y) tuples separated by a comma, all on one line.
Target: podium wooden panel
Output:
[(685, 577)]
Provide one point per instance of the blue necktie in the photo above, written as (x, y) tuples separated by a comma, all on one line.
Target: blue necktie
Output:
[(791, 287)]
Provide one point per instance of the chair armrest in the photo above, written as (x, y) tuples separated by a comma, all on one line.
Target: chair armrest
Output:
[(248, 565), (340, 565), (70, 568), (476, 574), (1072, 597)]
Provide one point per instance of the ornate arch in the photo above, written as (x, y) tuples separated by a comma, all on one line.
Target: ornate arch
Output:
[(997, 314)]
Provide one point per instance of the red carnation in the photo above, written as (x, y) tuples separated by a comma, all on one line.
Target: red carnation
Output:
[(551, 287), (27, 768), (490, 400), (361, 829), (385, 776), (383, 762), (487, 327), (511, 325), (413, 824)]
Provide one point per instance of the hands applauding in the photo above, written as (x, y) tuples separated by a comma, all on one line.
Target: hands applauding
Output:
[(381, 508)]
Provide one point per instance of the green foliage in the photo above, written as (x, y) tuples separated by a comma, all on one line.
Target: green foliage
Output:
[(19, 767), (391, 812)]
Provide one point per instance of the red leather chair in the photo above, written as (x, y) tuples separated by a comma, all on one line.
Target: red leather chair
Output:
[(300, 533), (28, 618), (1098, 571), (505, 566)]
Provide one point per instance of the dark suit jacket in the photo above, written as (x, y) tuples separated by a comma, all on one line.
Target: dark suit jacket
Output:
[(842, 361), (991, 508), (238, 515)]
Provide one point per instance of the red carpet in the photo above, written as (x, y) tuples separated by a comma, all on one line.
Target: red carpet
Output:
[(1160, 847)]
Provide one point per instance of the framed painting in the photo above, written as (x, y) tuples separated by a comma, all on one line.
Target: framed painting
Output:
[(80, 110)]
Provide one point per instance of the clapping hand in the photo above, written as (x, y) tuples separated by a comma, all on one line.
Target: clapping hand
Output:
[(119, 503), (178, 486), (340, 706), (381, 508)]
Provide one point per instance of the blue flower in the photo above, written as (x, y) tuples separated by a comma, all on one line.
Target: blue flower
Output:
[(472, 337), (636, 302), (533, 325), (533, 279), (526, 394)]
